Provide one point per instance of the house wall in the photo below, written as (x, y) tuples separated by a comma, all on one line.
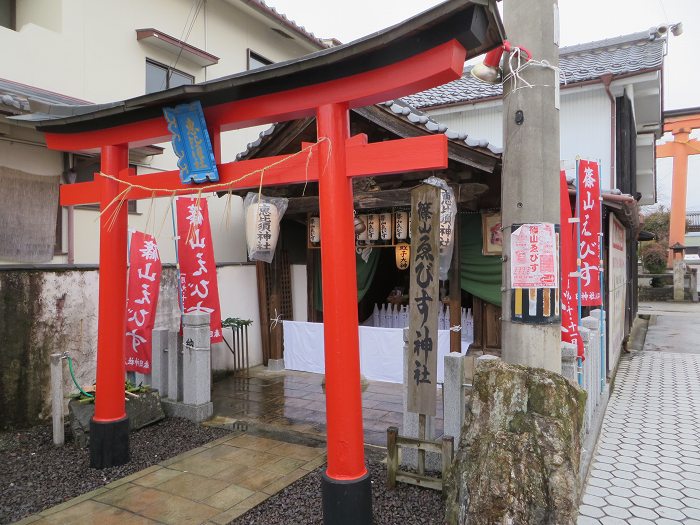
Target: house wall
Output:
[(88, 49), (52, 311), (584, 124)]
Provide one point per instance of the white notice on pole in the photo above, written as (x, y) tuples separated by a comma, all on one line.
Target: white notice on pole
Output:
[(533, 256)]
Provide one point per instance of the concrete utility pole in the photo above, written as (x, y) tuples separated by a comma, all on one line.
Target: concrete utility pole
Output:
[(530, 183)]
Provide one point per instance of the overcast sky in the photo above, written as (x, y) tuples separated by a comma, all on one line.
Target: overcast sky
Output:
[(581, 21)]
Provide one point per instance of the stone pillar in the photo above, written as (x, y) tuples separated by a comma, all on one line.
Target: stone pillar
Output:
[(569, 353), (678, 280), (453, 395), (159, 361), (57, 398), (196, 359), (174, 366)]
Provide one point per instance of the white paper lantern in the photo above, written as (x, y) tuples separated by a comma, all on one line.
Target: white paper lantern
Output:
[(363, 236), (315, 230), (401, 225), (373, 227), (385, 226), (262, 227)]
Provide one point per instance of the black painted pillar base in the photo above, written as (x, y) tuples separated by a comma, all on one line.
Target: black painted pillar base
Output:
[(109, 443), (347, 502)]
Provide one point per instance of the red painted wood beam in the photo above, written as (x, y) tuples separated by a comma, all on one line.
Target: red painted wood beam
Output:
[(380, 158), (436, 66)]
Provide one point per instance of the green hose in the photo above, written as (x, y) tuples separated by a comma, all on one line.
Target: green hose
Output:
[(70, 367)]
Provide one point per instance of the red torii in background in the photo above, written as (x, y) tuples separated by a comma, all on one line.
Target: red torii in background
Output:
[(425, 51), (680, 123)]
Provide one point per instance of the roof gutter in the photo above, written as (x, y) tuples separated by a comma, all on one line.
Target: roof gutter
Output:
[(607, 79)]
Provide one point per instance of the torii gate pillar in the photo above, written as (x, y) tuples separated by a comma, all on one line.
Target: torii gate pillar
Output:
[(346, 485), (109, 428)]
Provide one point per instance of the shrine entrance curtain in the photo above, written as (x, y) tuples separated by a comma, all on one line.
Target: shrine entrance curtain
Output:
[(365, 276), (480, 275)]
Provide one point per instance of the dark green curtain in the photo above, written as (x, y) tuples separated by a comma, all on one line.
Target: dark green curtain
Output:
[(365, 275), (481, 275)]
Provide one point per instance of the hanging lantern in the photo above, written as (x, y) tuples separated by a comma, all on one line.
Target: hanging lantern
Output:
[(263, 215), (403, 256), (385, 230), (401, 225), (315, 230), (373, 227), (362, 234)]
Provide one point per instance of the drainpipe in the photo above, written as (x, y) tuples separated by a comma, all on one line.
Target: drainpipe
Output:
[(607, 79)]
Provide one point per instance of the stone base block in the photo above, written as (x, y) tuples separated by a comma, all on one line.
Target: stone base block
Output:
[(195, 413), (275, 365), (142, 411)]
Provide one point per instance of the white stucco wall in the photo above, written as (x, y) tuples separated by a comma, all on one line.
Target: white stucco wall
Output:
[(584, 124)]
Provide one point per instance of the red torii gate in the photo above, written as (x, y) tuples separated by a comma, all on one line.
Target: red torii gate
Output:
[(680, 123), (427, 50)]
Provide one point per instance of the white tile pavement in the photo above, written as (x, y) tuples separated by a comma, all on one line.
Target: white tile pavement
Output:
[(646, 468)]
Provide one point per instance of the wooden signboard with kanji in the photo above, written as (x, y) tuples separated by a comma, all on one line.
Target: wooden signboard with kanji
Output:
[(424, 299)]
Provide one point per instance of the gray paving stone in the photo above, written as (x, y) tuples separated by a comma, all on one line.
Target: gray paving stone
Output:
[(602, 483), (592, 512), (691, 513), (646, 483), (617, 491), (618, 501), (645, 492), (691, 493), (672, 503), (647, 503), (669, 483), (672, 493), (587, 520), (597, 491), (692, 502), (593, 501), (617, 512), (639, 521)]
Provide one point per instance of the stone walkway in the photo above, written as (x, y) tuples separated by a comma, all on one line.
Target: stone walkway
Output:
[(647, 466), (212, 484)]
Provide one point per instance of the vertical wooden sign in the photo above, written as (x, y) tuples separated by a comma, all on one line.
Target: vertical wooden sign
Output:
[(424, 299)]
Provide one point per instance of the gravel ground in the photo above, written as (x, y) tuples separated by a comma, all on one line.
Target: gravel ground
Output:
[(300, 503), (35, 475)]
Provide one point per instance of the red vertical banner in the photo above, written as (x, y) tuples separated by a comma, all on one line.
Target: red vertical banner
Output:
[(195, 250), (569, 308), (141, 302), (590, 232)]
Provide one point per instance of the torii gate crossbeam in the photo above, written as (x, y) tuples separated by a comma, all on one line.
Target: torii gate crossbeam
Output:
[(427, 50)]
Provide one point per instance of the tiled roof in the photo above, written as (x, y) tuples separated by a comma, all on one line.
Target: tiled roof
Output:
[(262, 7), (402, 110), (14, 97), (617, 56)]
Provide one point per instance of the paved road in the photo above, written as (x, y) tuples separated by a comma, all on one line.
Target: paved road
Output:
[(647, 466)]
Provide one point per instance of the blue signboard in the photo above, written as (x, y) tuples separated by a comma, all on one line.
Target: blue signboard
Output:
[(191, 143)]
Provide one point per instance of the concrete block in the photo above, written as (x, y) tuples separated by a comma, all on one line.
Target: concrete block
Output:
[(159, 360), (275, 365), (453, 394), (174, 367), (195, 413), (569, 353)]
